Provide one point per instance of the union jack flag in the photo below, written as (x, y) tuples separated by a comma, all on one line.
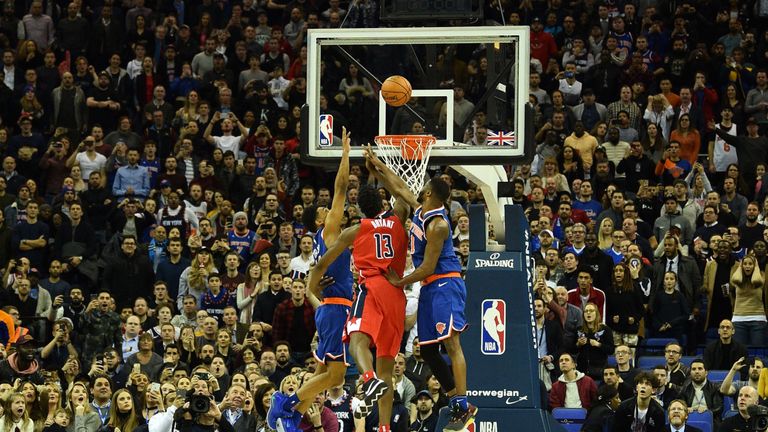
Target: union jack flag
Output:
[(502, 138)]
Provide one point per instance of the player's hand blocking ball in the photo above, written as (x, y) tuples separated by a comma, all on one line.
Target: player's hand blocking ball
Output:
[(396, 91)]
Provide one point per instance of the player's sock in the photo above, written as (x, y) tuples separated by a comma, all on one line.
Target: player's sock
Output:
[(290, 402), (460, 401), (385, 428), (369, 375)]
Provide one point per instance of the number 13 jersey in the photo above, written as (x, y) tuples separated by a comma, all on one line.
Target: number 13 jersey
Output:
[(380, 244)]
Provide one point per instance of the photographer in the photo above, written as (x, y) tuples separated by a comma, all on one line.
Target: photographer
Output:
[(747, 398), (60, 348), (199, 413)]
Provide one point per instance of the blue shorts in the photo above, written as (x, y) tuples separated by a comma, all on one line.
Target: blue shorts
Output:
[(441, 309), (330, 320)]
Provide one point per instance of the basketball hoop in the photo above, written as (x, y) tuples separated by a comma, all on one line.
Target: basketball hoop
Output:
[(407, 156)]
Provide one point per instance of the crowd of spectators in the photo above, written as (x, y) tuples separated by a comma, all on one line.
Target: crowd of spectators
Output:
[(151, 201), (647, 204)]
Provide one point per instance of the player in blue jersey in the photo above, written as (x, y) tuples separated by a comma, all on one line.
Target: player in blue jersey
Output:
[(286, 411), (443, 294)]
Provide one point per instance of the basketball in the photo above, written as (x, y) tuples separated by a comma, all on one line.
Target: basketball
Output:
[(396, 90)]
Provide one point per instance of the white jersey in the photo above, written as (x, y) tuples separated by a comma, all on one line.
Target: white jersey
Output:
[(724, 153), (201, 210)]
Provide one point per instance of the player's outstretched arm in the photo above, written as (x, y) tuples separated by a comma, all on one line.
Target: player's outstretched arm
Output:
[(345, 240), (437, 232), (335, 215), (392, 182)]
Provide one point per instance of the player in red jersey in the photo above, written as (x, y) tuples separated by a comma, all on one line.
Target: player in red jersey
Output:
[(378, 313)]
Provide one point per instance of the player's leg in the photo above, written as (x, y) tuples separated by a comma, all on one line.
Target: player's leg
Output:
[(330, 353), (437, 364), (434, 318), (385, 367), (327, 376), (462, 412), (458, 364)]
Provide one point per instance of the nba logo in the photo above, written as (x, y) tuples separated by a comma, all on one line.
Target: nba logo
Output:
[(494, 327), (326, 130)]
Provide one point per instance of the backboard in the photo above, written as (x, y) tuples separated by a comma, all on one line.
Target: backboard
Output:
[(489, 65)]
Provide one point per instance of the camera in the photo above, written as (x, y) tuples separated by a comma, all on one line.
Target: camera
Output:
[(758, 418), (199, 404)]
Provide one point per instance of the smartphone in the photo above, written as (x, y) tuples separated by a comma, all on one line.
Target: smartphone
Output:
[(181, 393), (202, 375), (94, 297), (137, 368), (155, 387)]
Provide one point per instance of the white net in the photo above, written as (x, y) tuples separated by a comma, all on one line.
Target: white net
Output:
[(407, 156)]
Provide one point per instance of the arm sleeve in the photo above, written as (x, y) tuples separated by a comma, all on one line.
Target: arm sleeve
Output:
[(163, 421)]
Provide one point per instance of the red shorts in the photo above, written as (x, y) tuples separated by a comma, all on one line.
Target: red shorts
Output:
[(379, 312)]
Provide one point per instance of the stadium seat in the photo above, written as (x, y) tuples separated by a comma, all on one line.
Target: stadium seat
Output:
[(686, 360), (728, 404), (648, 362), (697, 419), (655, 346), (717, 375), (729, 413), (571, 418), (704, 426)]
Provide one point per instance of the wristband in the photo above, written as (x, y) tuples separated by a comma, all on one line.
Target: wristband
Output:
[(317, 427)]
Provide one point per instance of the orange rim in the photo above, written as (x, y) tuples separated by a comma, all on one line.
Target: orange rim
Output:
[(411, 146)]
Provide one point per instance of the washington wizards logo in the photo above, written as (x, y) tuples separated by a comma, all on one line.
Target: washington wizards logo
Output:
[(440, 327)]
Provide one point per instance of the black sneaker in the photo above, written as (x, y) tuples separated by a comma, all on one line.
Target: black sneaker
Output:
[(372, 392), (461, 419)]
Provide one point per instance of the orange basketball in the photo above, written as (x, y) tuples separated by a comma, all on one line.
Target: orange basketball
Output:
[(396, 90)]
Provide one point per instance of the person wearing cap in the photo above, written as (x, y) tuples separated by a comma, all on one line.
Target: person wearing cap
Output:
[(589, 112), (22, 364), (240, 238), (103, 103), (601, 414), (219, 75), (543, 45), (186, 46), (426, 417), (176, 214), (672, 216), (54, 163), (546, 240)]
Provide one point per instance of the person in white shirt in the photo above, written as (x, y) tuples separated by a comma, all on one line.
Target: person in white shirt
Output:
[(136, 65), (301, 263), (227, 141), (87, 158), (279, 86)]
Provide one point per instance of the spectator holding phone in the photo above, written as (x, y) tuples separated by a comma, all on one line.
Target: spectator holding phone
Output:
[(60, 348)]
